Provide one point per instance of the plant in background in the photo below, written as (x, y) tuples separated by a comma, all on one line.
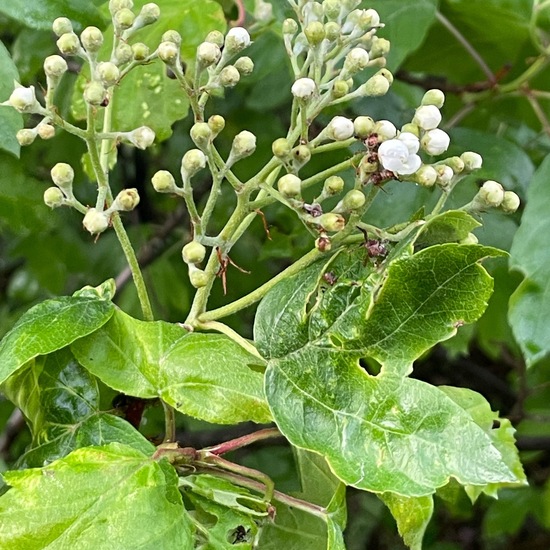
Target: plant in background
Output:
[(335, 333)]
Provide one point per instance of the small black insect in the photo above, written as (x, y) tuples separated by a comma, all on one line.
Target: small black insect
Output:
[(376, 248)]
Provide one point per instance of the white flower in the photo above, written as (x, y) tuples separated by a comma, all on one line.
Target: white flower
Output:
[(141, 137), (23, 99), (427, 117), (303, 88), (374, 17), (472, 161), (399, 155), (491, 194), (237, 39), (435, 142), (356, 60), (340, 128), (385, 129), (411, 141)]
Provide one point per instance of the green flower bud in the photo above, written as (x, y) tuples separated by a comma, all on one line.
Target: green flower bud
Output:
[(380, 47), (193, 161), (444, 175), (244, 65), (216, 123), (92, 39), (301, 155), (107, 73), (340, 88), (215, 37), (333, 31), (201, 134), (290, 27), (356, 60), (62, 25), (433, 97), (367, 167), (149, 14), (375, 86), (141, 137), (94, 93), (229, 76), (55, 66), (62, 175), (53, 197), (123, 19), (26, 136), (315, 32), (510, 203), (472, 161), (244, 144), (281, 148), (331, 9), (425, 176), (411, 129), (126, 200), (140, 51), (169, 52), (289, 186), (455, 163), (363, 126), (172, 36), (491, 194), (353, 200), (236, 40), (68, 43), (386, 74), (95, 222), (117, 5), (45, 131), (163, 182), (193, 253), (208, 54), (333, 185), (123, 54), (331, 222), (198, 278)]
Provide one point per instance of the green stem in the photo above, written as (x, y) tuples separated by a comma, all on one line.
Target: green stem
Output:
[(169, 423), (245, 440), (235, 336)]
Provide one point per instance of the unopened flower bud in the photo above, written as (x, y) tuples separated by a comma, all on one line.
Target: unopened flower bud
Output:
[(123, 54), (367, 166), (229, 76), (141, 137), (198, 278), (148, 14), (215, 37), (236, 40), (244, 65), (68, 43), (53, 197), (427, 117), (315, 32), (371, 17), (169, 52), (435, 142), (356, 60), (92, 39), (472, 161), (172, 36), (380, 47), (94, 93), (331, 8), (193, 161), (510, 203), (163, 182), (340, 88), (289, 186), (263, 11), (95, 222), (55, 66), (108, 73), (411, 129), (491, 194), (26, 136), (301, 155), (45, 131), (123, 19), (340, 128), (216, 123), (244, 144), (290, 27), (304, 88), (126, 200), (433, 97), (208, 54), (281, 148), (333, 185), (455, 163), (140, 51), (385, 130), (333, 31), (444, 175), (23, 99), (375, 86), (363, 126), (331, 222), (62, 175), (426, 176), (62, 25), (117, 5), (323, 244), (201, 134), (353, 200), (193, 253)]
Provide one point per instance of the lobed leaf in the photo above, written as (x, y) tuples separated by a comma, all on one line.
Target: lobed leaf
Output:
[(207, 376)]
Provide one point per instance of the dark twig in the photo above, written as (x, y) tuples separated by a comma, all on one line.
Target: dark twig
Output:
[(14, 425)]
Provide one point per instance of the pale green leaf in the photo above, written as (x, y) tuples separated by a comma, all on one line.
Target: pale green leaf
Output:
[(49, 326), (97, 497), (207, 376), (10, 120)]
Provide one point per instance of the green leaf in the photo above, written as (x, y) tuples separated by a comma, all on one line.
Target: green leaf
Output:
[(49, 326), (60, 400), (10, 120), (451, 226), (92, 498), (529, 313), (412, 516), (39, 14), (207, 376)]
